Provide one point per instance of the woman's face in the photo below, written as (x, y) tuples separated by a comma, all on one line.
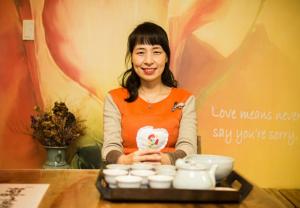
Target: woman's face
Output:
[(149, 62)]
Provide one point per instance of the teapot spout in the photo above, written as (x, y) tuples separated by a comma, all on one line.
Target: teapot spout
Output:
[(212, 172)]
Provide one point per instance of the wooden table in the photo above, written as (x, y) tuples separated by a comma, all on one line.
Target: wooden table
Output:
[(290, 197), (76, 188)]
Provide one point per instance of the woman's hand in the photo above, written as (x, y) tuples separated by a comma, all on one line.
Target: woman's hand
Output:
[(154, 156), (141, 156), (165, 159)]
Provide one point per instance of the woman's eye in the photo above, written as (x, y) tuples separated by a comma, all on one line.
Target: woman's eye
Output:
[(157, 52), (140, 52)]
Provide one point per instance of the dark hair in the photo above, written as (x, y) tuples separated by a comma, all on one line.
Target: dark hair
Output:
[(152, 34)]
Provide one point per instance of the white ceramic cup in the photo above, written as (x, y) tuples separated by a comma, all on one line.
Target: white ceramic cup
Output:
[(144, 174), (142, 166), (111, 174), (129, 181), (118, 166), (169, 170), (160, 181)]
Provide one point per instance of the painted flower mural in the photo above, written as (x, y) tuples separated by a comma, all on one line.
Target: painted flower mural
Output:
[(231, 54)]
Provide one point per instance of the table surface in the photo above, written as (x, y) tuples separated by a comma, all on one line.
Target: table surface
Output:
[(76, 188)]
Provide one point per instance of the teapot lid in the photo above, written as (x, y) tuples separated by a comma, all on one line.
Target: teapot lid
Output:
[(190, 165)]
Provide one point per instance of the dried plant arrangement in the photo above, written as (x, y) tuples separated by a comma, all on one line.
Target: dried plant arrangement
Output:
[(57, 127)]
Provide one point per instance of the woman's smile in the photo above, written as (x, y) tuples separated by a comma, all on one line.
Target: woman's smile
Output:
[(148, 71)]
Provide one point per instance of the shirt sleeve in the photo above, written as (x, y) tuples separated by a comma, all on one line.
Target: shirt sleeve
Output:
[(112, 141), (187, 138)]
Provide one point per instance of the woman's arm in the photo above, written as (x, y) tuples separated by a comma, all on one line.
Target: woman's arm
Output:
[(112, 145), (187, 139)]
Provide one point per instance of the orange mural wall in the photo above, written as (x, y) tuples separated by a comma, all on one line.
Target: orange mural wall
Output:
[(239, 58)]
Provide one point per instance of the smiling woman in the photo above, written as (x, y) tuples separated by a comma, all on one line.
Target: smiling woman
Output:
[(140, 123), (149, 61)]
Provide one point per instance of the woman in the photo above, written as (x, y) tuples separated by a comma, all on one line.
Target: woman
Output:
[(149, 119)]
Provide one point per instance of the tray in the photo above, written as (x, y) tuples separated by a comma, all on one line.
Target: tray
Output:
[(178, 195)]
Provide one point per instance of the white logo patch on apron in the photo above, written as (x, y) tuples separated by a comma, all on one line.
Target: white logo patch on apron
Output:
[(150, 138)]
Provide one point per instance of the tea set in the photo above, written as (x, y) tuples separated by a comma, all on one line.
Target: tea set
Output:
[(192, 172)]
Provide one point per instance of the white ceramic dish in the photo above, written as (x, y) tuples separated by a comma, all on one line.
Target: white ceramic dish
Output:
[(169, 170), (141, 166), (129, 181), (144, 174), (118, 166), (160, 181), (225, 163), (111, 174)]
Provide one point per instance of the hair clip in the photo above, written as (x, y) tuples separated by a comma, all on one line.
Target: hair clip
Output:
[(177, 106)]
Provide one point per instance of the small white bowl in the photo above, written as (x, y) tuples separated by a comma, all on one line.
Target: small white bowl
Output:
[(129, 181), (169, 170), (141, 166), (118, 166), (111, 174), (160, 181), (143, 174)]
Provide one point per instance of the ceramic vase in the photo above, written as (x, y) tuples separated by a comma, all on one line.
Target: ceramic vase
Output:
[(56, 158)]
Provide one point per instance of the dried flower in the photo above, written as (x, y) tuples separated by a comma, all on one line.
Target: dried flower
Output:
[(56, 128)]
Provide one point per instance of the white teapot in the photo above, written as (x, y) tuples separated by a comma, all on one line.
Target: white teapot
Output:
[(192, 175)]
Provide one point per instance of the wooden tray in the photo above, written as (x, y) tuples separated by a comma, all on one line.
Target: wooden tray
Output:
[(177, 195)]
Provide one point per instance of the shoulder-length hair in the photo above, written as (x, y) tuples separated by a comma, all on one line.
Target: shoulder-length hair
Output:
[(152, 34)]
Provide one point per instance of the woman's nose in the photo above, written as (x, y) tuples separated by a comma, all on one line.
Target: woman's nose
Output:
[(148, 59)]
